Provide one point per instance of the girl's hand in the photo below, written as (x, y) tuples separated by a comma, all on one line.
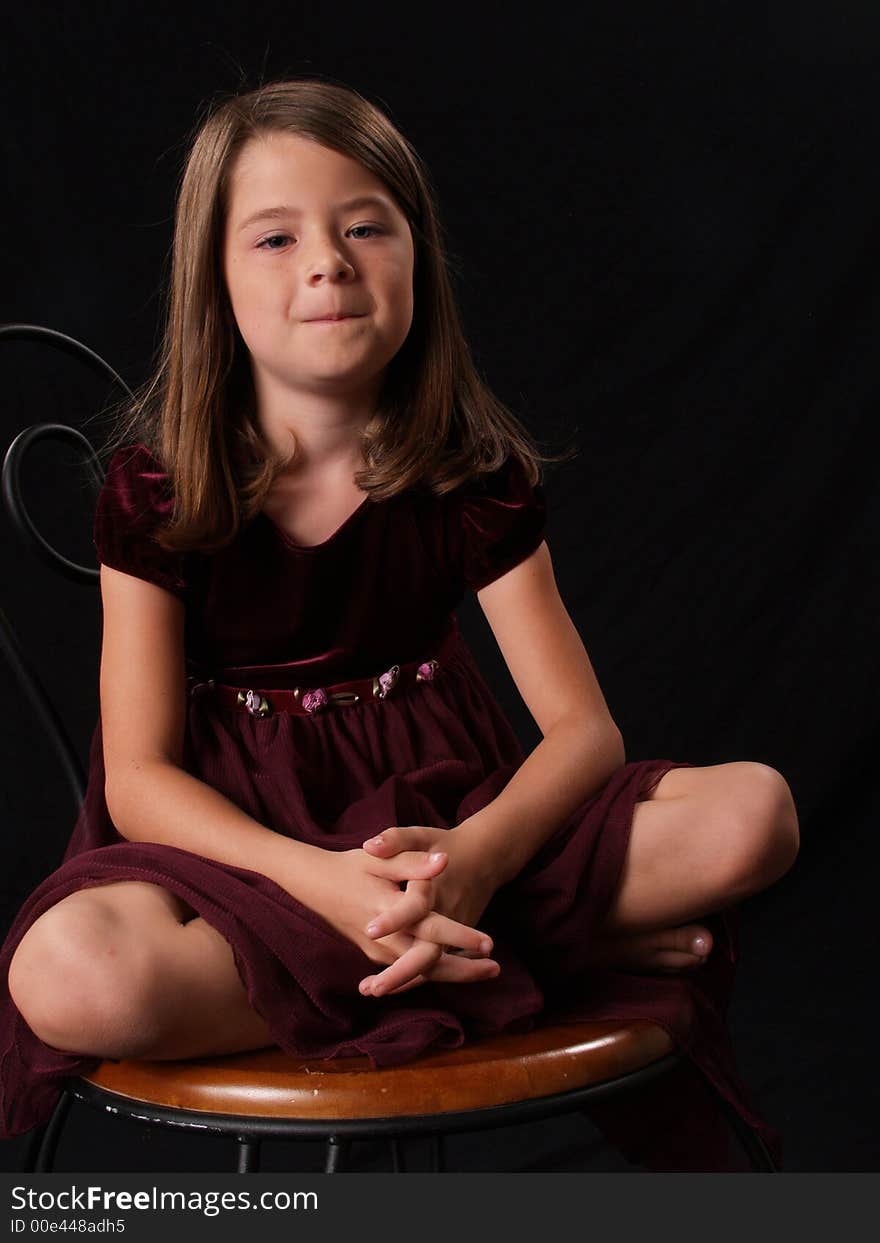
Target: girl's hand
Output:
[(462, 891), (349, 889)]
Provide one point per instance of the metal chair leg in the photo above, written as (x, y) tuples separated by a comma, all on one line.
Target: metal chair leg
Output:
[(39, 1156), (436, 1155), (751, 1143), (32, 1148), (337, 1154), (438, 1163), (248, 1155)]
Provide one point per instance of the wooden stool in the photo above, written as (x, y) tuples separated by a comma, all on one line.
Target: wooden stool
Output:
[(268, 1095)]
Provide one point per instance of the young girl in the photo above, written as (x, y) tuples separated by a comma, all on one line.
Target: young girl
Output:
[(308, 822)]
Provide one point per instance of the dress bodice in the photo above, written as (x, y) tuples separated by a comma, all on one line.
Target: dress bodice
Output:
[(380, 590)]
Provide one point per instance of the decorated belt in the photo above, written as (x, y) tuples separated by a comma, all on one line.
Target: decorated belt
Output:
[(306, 701)]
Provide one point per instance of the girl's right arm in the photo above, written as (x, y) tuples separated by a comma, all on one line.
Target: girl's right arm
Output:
[(150, 797)]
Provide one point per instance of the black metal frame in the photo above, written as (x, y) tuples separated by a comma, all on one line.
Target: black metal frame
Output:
[(248, 1132), (21, 665)]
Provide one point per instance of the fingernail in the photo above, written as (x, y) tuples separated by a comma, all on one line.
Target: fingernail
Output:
[(372, 929), (374, 841), (700, 945), (437, 856), (485, 946)]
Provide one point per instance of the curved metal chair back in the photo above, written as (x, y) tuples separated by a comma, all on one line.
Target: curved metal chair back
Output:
[(23, 668)]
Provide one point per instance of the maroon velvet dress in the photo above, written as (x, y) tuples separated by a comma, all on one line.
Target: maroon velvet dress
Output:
[(267, 613)]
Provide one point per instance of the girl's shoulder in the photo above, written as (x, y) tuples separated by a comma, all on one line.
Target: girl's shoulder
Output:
[(134, 501), (493, 521)]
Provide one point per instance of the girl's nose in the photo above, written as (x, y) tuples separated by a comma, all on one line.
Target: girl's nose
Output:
[(328, 263)]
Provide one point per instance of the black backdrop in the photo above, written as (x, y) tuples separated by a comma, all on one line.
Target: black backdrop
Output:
[(662, 224)]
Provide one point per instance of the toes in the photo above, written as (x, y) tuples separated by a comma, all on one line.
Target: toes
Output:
[(674, 960), (671, 947), (665, 950), (678, 949), (689, 940)]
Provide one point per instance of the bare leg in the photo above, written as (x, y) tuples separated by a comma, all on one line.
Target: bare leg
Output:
[(704, 840), (215, 1017), (115, 971)]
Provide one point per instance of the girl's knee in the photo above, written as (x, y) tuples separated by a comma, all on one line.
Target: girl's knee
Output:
[(768, 830), (74, 983)]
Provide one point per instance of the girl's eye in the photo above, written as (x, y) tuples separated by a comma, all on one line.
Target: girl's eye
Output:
[(275, 237)]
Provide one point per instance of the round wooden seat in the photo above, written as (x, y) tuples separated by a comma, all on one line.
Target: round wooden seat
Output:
[(502, 1070)]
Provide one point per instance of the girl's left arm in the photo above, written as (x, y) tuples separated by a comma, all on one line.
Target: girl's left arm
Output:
[(580, 749), (581, 745)]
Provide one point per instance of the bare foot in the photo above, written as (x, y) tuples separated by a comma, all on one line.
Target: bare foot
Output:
[(661, 950)]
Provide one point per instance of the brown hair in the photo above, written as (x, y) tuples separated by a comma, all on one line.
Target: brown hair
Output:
[(436, 421)]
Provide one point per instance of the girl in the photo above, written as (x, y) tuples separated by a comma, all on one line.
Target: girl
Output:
[(307, 821)]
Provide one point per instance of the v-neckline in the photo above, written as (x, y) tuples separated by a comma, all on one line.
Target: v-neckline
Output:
[(292, 543)]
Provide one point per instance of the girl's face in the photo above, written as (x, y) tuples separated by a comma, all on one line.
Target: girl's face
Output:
[(311, 234)]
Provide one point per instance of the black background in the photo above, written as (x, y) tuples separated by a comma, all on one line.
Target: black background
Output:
[(662, 221)]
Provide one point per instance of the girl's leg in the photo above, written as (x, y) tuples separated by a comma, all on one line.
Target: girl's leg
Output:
[(704, 840), (127, 969)]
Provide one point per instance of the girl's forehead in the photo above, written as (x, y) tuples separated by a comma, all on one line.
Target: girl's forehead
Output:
[(287, 171), (294, 159)]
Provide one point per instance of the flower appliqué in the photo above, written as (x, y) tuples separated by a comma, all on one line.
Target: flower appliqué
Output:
[(386, 681), (315, 700), (256, 704)]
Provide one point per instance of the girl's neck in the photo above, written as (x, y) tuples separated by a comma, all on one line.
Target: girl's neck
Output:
[(326, 428)]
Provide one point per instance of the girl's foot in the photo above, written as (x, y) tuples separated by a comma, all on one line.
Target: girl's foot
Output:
[(662, 950)]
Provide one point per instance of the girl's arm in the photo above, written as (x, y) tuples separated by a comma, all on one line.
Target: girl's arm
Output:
[(150, 797), (160, 802), (491, 847), (485, 851), (580, 749), (581, 745), (575, 758)]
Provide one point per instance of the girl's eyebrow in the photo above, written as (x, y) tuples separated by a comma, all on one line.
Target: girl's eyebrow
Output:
[(275, 213)]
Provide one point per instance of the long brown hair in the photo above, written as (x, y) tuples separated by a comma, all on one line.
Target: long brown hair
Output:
[(436, 422)]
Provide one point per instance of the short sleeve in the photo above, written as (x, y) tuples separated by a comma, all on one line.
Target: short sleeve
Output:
[(501, 519), (134, 500)]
